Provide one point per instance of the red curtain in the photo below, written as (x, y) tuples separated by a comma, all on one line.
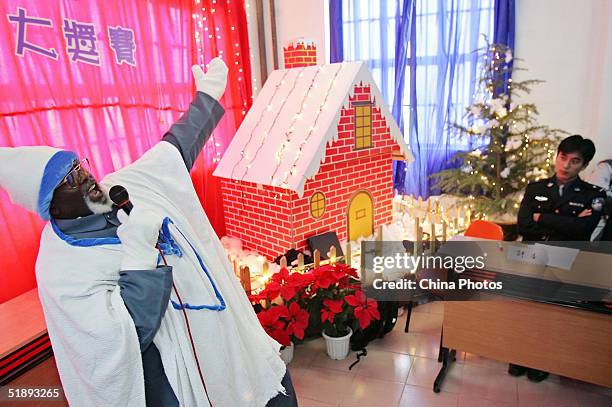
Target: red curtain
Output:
[(220, 28), (106, 79)]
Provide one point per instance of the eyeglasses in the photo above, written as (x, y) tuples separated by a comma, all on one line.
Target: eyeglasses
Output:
[(74, 176)]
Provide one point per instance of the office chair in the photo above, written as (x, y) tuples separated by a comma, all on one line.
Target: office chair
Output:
[(485, 230)]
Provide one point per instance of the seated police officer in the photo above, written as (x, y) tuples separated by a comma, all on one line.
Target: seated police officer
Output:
[(561, 208)]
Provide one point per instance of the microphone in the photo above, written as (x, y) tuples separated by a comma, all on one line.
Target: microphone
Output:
[(120, 197)]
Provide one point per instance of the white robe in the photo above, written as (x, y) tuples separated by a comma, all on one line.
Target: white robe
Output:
[(94, 338)]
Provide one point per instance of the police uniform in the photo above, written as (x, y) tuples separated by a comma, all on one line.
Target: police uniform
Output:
[(559, 206)]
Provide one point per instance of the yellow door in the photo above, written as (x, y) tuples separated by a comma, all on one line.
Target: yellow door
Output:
[(360, 216)]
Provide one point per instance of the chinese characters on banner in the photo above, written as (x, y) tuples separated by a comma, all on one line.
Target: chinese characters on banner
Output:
[(80, 38)]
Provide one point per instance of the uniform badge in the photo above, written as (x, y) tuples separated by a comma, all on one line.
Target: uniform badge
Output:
[(577, 189), (541, 198), (550, 184), (597, 204), (576, 204)]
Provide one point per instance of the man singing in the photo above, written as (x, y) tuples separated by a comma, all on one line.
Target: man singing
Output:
[(127, 329)]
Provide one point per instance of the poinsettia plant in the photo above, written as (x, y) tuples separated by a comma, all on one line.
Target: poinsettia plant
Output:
[(285, 324), (343, 303), (284, 318), (328, 297)]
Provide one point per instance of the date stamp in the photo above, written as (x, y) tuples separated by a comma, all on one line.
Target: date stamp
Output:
[(13, 393)]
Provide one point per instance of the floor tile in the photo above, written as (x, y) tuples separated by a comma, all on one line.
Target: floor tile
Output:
[(366, 391), (477, 360), (424, 372), (424, 345), (424, 323), (304, 402), (384, 365), (491, 383), (586, 399), (325, 385), (554, 391), (433, 307), (470, 400), (295, 372), (581, 386), (415, 396), (322, 360), (302, 356)]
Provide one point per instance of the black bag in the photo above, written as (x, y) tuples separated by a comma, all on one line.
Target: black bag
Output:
[(388, 317)]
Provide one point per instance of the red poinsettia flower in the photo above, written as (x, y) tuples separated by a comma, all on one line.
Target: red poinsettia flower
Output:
[(298, 321), (327, 315), (365, 310), (280, 276), (269, 320), (274, 323), (292, 285), (334, 305), (272, 290), (255, 298), (323, 277), (282, 336), (330, 309)]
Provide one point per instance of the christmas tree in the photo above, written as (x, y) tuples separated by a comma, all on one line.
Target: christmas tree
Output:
[(513, 148)]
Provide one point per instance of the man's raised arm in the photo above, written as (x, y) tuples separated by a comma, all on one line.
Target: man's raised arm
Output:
[(190, 133)]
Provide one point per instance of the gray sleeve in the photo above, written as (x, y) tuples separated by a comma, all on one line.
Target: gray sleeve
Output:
[(146, 294), (192, 130)]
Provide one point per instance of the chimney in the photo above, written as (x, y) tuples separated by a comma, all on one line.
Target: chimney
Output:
[(300, 52)]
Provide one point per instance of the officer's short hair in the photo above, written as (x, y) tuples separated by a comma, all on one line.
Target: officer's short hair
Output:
[(577, 143)]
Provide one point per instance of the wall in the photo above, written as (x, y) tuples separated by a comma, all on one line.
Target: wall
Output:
[(259, 216), (346, 171), (299, 18), (568, 44)]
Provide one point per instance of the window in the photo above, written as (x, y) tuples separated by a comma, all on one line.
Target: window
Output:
[(369, 35), (363, 126), (317, 204)]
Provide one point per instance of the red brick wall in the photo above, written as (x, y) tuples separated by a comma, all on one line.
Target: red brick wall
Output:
[(260, 217), (272, 226), (300, 55), (347, 171)]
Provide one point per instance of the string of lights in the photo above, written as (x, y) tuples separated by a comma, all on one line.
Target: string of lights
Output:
[(243, 152), (280, 153), (278, 113), (210, 43), (313, 128)]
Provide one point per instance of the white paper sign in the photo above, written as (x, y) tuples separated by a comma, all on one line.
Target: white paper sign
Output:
[(530, 254), (559, 257)]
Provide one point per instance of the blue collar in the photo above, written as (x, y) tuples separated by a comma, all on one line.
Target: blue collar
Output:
[(92, 230)]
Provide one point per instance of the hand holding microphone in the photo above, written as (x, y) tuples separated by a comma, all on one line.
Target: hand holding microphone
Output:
[(138, 232)]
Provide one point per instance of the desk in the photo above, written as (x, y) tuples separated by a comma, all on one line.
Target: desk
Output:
[(562, 340), (541, 319)]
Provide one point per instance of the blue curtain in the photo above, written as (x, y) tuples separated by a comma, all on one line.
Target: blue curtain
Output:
[(421, 55), (503, 32), (369, 35), (405, 30), (335, 30), (443, 75)]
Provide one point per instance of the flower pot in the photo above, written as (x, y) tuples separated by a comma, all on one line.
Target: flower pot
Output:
[(286, 353), (338, 348)]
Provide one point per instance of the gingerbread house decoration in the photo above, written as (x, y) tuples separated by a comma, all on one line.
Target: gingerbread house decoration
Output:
[(314, 154)]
